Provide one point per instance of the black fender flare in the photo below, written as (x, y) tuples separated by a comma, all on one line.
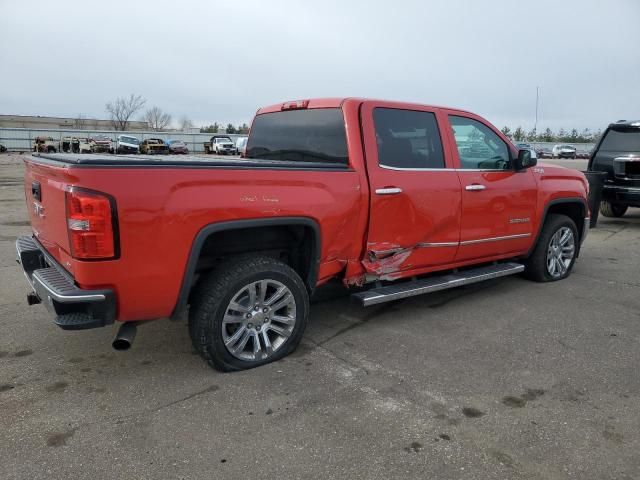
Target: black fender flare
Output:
[(208, 230), (543, 219)]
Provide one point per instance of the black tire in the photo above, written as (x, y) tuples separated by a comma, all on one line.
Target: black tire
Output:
[(614, 210), (213, 295), (536, 264)]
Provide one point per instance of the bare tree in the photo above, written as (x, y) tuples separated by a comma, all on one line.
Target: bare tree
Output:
[(122, 109), (185, 123), (80, 122), (157, 119)]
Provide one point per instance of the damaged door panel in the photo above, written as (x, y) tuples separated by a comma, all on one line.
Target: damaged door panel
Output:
[(414, 219)]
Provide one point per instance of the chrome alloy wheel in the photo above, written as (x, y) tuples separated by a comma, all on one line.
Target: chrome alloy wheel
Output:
[(560, 252), (259, 319)]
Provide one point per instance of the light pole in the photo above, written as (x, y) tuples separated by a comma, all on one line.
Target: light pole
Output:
[(535, 125)]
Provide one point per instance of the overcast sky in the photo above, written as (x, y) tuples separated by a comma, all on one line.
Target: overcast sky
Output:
[(220, 61)]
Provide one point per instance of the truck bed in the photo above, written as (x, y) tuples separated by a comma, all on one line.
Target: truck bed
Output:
[(212, 161)]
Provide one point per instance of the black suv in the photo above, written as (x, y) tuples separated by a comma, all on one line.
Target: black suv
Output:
[(618, 154)]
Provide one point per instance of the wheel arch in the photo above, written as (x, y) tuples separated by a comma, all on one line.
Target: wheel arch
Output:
[(573, 207), (309, 272)]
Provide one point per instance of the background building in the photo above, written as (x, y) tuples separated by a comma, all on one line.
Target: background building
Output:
[(37, 122)]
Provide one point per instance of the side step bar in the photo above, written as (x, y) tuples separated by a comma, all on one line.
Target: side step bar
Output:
[(435, 284)]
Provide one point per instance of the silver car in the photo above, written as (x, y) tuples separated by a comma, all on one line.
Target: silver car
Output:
[(241, 145)]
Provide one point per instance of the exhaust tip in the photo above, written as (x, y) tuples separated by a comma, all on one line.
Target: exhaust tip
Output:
[(124, 337), (121, 344)]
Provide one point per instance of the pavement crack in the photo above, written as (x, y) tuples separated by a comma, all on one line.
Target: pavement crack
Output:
[(340, 332), (349, 363), (211, 388), (615, 233)]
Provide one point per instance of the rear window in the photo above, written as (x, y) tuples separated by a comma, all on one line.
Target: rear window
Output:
[(315, 135), (621, 141)]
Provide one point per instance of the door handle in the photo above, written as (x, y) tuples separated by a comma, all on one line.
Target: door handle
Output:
[(475, 187), (388, 191)]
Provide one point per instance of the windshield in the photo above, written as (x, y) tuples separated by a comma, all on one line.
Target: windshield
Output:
[(316, 135), (223, 140), (132, 140), (627, 140)]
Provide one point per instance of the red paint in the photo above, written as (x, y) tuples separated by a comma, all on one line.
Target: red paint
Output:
[(161, 210)]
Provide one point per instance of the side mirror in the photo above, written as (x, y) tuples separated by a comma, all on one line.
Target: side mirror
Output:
[(524, 160)]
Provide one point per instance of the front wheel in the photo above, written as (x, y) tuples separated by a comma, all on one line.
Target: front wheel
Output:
[(615, 210), (247, 312), (555, 253)]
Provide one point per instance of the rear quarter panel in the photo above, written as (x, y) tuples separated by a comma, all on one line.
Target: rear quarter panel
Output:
[(161, 210)]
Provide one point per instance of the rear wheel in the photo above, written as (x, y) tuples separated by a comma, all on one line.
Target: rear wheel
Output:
[(248, 312), (555, 253), (609, 209)]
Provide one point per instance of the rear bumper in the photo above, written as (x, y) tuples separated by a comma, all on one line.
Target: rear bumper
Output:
[(74, 308), (619, 194)]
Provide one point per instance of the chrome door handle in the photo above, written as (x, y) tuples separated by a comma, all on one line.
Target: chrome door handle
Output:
[(388, 191), (475, 187)]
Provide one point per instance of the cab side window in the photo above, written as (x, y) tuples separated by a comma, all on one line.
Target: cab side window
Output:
[(407, 139), (479, 147)]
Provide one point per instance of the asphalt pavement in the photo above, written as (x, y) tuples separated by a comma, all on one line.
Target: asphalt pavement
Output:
[(506, 379)]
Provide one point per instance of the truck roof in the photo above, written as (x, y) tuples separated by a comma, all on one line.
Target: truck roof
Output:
[(336, 102), (625, 124)]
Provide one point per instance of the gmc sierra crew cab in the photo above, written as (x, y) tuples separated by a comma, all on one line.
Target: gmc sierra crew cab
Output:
[(393, 199)]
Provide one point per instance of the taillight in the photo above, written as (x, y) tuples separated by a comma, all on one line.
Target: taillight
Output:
[(92, 224)]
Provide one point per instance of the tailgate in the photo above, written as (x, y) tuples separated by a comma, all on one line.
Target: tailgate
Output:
[(45, 187)]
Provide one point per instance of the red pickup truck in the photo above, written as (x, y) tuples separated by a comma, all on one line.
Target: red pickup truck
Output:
[(391, 198)]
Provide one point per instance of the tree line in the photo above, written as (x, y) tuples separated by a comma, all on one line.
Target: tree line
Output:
[(230, 128), (548, 135), (122, 110)]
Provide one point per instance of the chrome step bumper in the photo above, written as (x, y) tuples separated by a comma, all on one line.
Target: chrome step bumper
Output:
[(434, 284), (74, 308)]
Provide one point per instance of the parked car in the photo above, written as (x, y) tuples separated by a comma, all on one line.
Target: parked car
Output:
[(365, 192), (563, 151), (177, 146), (241, 145), (127, 144), (221, 145), (618, 154), (101, 144), (151, 146), (582, 153), (45, 144), (76, 145), (544, 152)]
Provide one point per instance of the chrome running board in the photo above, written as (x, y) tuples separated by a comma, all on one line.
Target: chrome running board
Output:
[(435, 283)]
